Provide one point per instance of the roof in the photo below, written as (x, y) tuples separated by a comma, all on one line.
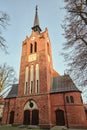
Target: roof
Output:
[(36, 28), (13, 92), (60, 84), (36, 20), (63, 84)]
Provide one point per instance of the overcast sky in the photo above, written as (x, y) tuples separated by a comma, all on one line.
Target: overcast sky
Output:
[(22, 14)]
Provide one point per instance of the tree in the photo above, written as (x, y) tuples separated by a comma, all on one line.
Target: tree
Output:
[(7, 77), (4, 18), (75, 32)]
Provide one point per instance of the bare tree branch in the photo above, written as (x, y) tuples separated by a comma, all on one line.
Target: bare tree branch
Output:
[(75, 32), (7, 76), (4, 18)]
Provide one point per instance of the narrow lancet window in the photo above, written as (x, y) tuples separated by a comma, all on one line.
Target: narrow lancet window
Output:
[(67, 99), (37, 79), (31, 91), (31, 48), (35, 47), (31, 79), (26, 81), (71, 99)]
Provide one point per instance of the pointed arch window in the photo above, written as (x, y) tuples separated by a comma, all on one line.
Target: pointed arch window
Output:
[(71, 99), (35, 47), (48, 49), (31, 48), (37, 79), (26, 80), (31, 79), (67, 99), (31, 91)]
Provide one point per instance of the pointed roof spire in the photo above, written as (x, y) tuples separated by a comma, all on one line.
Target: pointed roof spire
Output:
[(36, 20), (36, 28)]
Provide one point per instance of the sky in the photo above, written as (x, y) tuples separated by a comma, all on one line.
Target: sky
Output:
[(21, 13)]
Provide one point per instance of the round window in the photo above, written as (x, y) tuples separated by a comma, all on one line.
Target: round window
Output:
[(31, 104)]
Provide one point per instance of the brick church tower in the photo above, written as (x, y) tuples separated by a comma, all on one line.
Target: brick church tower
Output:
[(36, 71), (36, 62), (43, 97)]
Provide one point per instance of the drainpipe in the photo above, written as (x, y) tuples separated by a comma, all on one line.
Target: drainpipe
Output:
[(65, 110)]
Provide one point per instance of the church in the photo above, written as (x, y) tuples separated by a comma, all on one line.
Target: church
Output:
[(43, 97)]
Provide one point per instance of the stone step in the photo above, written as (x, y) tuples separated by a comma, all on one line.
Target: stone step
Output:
[(59, 128)]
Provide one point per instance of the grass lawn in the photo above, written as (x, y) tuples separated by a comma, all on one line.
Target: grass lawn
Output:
[(11, 128), (15, 128)]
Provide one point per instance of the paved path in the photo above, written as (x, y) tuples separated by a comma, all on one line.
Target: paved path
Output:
[(64, 128)]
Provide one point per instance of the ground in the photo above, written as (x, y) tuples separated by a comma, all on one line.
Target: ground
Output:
[(19, 128)]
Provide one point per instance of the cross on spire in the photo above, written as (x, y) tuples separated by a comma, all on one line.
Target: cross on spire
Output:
[(36, 8)]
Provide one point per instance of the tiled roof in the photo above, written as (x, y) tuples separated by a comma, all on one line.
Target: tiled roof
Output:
[(63, 84), (59, 84), (13, 92)]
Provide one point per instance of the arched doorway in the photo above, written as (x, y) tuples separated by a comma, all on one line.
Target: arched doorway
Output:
[(11, 121), (35, 117), (26, 117), (60, 118), (31, 113)]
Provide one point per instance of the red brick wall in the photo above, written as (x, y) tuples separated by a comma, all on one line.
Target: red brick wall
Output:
[(10, 105), (42, 102), (45, 67), (75, 111), (57, 102)]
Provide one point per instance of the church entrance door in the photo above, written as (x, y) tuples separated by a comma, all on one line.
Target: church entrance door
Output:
[(11, 121), (35, 117), (60, 118), (26, 117)]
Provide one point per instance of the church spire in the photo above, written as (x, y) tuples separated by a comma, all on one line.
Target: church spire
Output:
[(36, 20), (36, 28)]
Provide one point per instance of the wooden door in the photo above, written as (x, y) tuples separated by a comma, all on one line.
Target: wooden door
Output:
[(60, 118), (35, 117), (26, 117), (11, 121)]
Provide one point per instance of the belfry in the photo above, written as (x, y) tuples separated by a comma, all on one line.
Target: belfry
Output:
[(42, 97)]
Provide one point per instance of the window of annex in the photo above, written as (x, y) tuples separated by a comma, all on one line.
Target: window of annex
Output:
[(71, 99), (67, 99)]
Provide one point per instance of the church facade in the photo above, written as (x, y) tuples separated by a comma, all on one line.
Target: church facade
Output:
[(43, 97)]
